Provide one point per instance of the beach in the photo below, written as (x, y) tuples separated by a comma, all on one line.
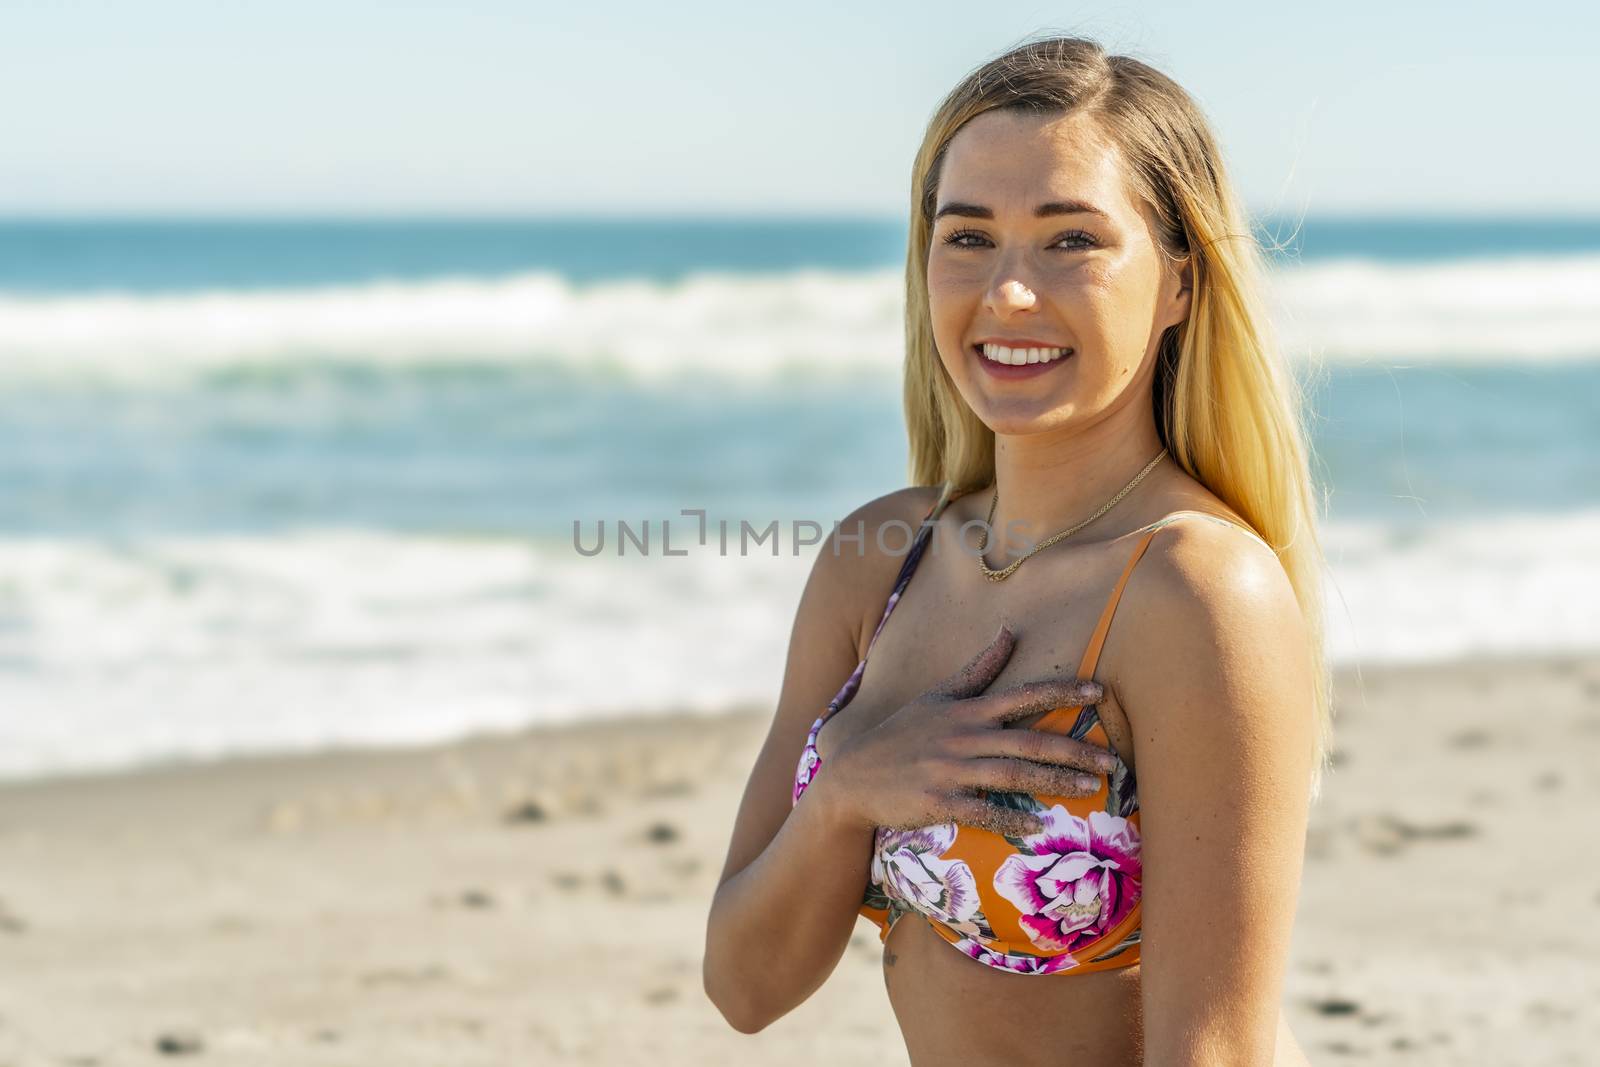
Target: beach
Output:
[(540, 897), (413, 470)]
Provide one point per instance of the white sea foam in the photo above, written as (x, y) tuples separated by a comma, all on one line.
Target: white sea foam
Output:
[(193, 647), (751, 326)]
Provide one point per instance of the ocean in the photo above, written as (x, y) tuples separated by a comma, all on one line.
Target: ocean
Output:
[(279, 485)]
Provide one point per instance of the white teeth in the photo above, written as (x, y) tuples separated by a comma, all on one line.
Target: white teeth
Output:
[(1016, 357)]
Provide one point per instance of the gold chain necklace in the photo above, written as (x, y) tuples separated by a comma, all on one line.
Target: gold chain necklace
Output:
[(983, 537)]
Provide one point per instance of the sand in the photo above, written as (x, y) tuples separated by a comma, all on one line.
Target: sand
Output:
[(540, 898)]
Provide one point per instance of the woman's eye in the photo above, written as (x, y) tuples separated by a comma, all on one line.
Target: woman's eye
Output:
[(970, 239), (958, 238)]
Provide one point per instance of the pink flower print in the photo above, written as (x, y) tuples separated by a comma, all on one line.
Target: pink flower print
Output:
[(810, 761), (910, 867), (1015, 963), (1074, 880)]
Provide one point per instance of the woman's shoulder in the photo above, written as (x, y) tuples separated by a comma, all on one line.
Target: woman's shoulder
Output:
[(862, 552), (908, 505), (1213, 598), (1197, 519), (1203, 557), (1205, 569)]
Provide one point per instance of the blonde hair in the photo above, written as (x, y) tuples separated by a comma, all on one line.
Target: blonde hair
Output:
[(1226, 406)]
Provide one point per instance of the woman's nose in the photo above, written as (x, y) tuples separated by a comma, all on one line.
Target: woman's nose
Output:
[(1009, 296)]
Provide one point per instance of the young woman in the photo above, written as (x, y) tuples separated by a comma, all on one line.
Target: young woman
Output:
[(1080, 842)]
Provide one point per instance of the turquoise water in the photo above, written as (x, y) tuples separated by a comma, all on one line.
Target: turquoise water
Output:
[(523, 452)]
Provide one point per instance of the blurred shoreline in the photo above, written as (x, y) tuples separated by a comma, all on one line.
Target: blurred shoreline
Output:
[(519, 894)]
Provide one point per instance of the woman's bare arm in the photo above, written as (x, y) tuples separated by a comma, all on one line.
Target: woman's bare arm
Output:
[(1223, 736), (788, 895)]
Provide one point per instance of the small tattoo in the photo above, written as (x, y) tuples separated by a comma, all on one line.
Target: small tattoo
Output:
[(889, 958)]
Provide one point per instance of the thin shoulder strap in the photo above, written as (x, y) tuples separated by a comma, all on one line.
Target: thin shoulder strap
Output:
[(1091, 655)]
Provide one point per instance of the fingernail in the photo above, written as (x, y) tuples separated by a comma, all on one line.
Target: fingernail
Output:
[(1086, 782)]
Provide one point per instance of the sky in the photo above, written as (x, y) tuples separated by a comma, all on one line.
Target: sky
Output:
[(619, 108)]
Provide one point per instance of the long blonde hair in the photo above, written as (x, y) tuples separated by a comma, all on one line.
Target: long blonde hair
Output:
[(1226, 406)]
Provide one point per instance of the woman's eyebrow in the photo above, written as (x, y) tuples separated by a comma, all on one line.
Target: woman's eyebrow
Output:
[(1054, 207)]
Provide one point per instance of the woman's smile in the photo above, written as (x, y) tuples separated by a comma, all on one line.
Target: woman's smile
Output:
[(1009, 363)]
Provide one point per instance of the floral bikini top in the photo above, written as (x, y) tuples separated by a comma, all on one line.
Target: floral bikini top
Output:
[(1064, 900)]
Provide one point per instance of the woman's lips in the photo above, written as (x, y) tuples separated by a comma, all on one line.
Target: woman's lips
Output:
[(1013, 371)]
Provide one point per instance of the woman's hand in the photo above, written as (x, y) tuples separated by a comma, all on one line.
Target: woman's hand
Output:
[(933, 760)]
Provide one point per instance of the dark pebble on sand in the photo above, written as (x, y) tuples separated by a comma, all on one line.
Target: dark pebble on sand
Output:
[(660, 833), (179, 1044), (528, 811), (1335, 1006), (476, 898)]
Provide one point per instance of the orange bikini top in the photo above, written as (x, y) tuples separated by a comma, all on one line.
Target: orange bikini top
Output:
[(1064, 900)]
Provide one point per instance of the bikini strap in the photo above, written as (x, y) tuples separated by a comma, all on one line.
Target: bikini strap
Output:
[(1091, 655)]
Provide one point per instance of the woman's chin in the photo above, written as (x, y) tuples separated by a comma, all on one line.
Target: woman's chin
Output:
[(1016, 417)]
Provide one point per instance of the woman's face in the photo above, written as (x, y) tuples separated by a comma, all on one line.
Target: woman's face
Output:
[(1036, 241)]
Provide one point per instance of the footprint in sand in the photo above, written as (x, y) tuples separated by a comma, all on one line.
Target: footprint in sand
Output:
[(1469, 739), (1386, 834), (405, 975)]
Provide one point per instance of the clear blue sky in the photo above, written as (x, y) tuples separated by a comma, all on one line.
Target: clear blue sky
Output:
[(209, 106)]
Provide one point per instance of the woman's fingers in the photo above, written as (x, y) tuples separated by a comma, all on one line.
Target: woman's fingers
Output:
[(1036, 746), (976, 674), (1029, 698), (1007, 774), (971, 810)]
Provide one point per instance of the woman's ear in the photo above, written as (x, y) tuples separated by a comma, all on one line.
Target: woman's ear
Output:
[(1179, 305)]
